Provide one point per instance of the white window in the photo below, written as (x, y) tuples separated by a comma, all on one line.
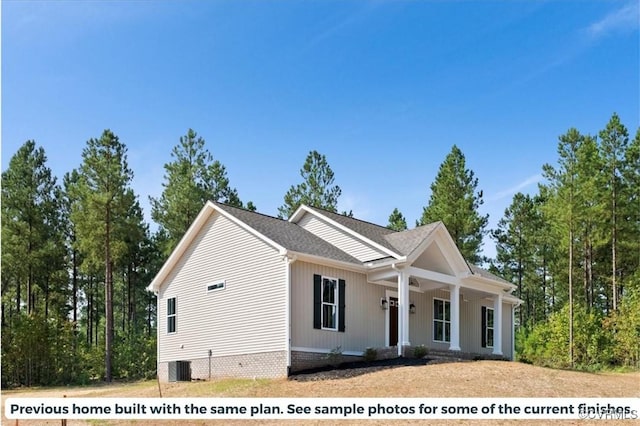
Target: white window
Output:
[(329, 303), (216, 286), (171, 315), (487, 321), (441, 320)]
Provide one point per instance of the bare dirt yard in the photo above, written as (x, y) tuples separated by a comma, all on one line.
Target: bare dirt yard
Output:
[(462, 379)]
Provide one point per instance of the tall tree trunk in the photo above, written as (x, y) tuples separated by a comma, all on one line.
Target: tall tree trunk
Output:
[(130, 308), (123, 306), (108, 300), (590, 275), (46, 298), (614, 266), (571, 296), (74, 280), (30, 275), (90, 308), (18, 296), (544, 283)]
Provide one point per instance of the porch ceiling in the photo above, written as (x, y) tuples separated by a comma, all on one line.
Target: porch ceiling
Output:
[(424, 280)]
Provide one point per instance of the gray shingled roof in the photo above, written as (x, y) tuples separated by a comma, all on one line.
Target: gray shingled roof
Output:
[(406, 242), (486, 274), (375, 233), (297, 239), (288, 235)]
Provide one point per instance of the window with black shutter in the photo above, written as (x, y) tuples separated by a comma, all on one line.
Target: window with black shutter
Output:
[(328, 303)]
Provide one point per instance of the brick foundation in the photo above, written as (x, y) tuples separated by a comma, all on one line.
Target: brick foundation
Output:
[(260, 365), (306, 360)]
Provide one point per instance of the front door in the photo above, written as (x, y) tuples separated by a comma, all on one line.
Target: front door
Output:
[(393, 321)]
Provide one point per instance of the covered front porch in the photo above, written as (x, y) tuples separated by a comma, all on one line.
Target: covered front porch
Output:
[(456, 311)]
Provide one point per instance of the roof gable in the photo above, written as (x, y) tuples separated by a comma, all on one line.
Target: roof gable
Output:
[(437, 233), (365, 232), (280, 234)]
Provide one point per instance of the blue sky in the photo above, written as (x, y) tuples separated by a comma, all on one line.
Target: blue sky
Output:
[(382, 88)]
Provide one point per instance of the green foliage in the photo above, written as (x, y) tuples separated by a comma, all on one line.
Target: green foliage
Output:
[(191, 179), (32, 251), (135, 357), (397, 222), (334, 357), (547, 343), (316, 189), (420, 351), (455, 202), (102, 216), (370, 354), (624, 326), (40, 351)]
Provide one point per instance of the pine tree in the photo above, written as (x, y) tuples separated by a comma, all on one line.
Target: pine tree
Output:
[(514, 239), (455, 202), (100, 216), (34, 278), (191, 179), (631, 175), (29, 220), (316, 189), (397, 222), (613, 141), (562, 206)]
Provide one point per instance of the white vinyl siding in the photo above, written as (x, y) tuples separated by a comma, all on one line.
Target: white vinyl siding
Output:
[(360, 250), (365, 321), (248, 316)]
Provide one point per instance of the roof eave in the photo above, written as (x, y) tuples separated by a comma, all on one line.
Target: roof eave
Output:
[(295, 217), (321, 260), (499, 283)]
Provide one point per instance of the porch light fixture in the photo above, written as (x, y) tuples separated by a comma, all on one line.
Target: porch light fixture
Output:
[(384, 303), (412, 308)]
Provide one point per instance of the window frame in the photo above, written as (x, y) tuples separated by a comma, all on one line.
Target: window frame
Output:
[(445, 323), (486, 328), (172, 316), (334, 305)]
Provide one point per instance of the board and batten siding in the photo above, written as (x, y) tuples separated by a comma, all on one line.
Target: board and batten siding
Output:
[(360, 250), (247, 316), (364, 320), (421, 323)]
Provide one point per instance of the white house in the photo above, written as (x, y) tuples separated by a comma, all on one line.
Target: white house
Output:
[(249, 295)]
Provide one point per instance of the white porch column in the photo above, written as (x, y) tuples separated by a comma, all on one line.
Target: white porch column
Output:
[(497, 325), (403, 310), (454, 300)]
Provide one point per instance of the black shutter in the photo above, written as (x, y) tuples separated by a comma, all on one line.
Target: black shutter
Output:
[(484, 327), (341, 305), (317, 301)]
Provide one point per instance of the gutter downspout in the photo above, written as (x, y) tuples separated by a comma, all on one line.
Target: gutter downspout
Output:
[(157, 293), (289, 260)]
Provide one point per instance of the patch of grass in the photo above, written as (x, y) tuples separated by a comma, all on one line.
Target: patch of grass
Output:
[(220, 387)]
